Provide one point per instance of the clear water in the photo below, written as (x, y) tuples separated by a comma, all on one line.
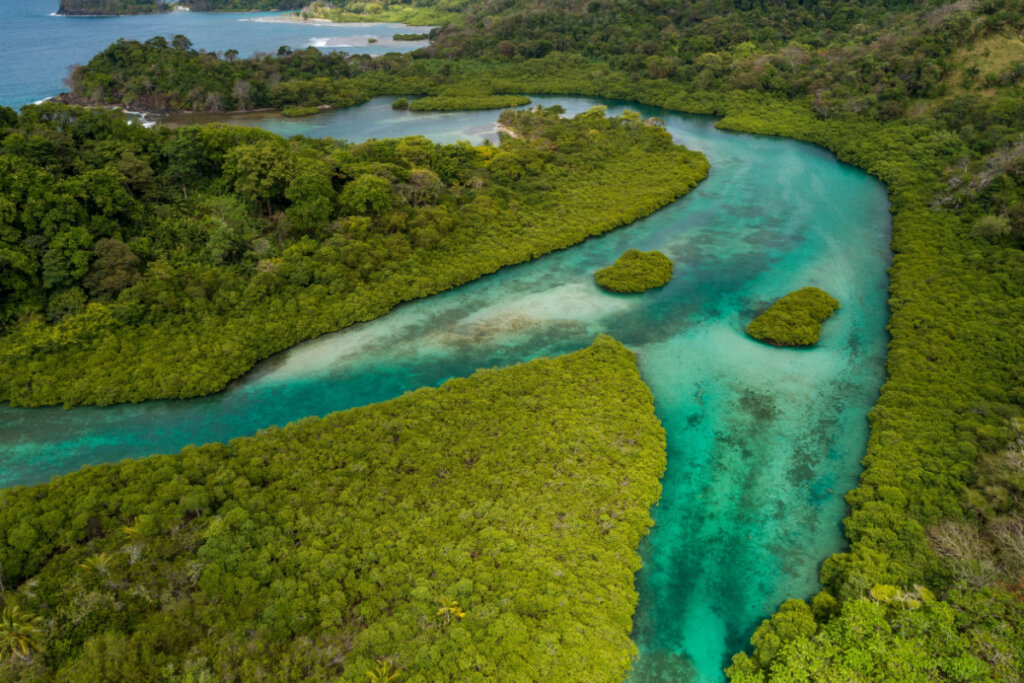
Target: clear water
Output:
[(763, 442), (375, 119), (37, 47)]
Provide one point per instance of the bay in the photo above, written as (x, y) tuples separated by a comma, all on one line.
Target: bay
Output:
[(37, 47)]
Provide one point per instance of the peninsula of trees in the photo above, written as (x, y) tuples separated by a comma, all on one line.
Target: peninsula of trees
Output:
[(445, 535), (158, 263)]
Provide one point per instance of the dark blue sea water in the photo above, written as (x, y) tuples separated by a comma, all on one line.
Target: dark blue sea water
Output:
[(37, 47)]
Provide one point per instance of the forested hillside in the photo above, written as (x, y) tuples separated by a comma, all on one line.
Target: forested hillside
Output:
[(146, 264), (450, 534)]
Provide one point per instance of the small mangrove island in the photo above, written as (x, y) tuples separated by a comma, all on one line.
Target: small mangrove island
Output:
[(795, 319), (296, 112), (635, 271), (467, 102)]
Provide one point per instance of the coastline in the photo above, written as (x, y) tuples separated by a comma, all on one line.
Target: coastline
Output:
[(293, 18), (503, 129), (146, 119)]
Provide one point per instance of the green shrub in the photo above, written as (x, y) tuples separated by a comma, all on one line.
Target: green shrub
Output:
[(400, 103), (299, 111), (467, 102), (992, 228), (635, 271), (795, 319)]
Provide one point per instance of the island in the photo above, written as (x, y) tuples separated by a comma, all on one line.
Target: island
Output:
[(298, 112), (635, 271), (467, 102), (795, 319)]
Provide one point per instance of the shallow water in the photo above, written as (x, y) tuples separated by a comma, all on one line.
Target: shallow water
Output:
[(374, 119), (37, 47), (762, 442)]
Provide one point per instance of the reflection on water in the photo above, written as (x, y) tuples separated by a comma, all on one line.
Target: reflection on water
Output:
[(763, 442)]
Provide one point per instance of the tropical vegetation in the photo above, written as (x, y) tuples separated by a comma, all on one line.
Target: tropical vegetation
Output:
[(925, 95), (635, 271), (156, 263), (116, 7), (411, 12), (795, 319), (450, 534), (170, 75), (467, 102), (111, 7), (295, 112)]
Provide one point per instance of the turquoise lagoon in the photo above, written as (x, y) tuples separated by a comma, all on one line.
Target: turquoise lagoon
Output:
[(762, 442)]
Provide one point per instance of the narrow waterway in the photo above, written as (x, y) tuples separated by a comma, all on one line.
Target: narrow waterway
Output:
[(762, 442)]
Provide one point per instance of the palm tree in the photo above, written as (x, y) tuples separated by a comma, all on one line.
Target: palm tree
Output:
[(97, 563), (450, 608), (386, 672), (21, 634)]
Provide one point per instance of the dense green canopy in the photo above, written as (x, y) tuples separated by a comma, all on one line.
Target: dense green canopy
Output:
[(635, 271), (485, 530), (467, 102), (111, 7), (795, 319), (163, 263)]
